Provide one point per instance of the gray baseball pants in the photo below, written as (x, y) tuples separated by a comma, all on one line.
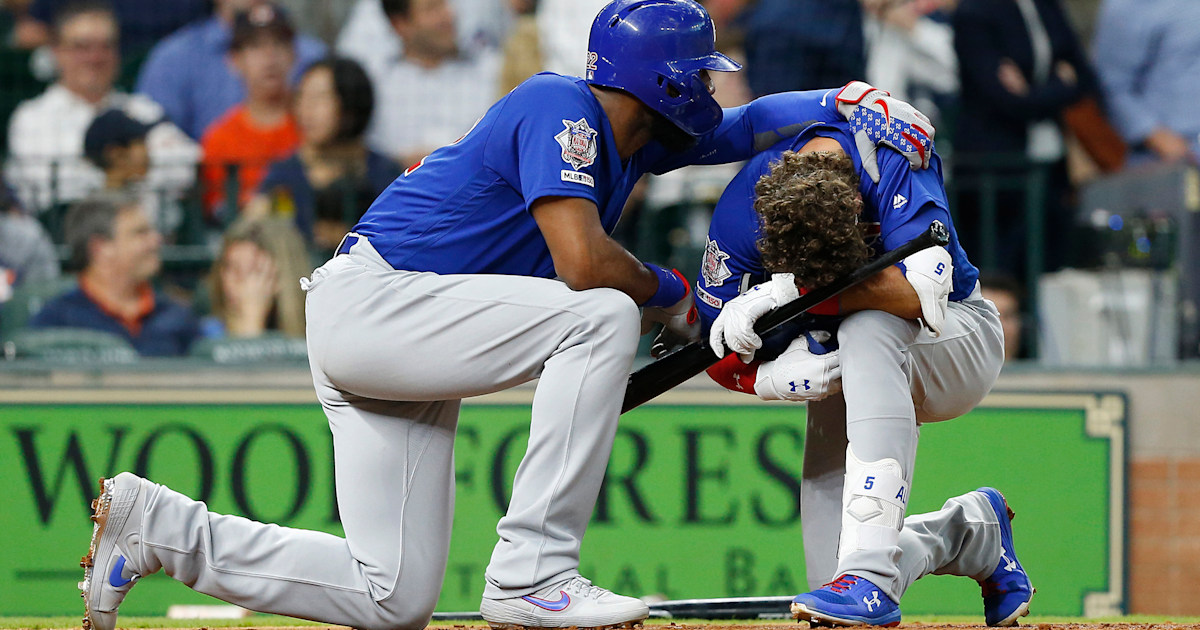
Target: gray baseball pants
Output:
[(392, 352), (896, 376)]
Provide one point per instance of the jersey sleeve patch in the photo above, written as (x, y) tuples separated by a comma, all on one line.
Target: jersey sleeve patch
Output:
[(708, 298), (714, 269), (578, 142), (578, 178)]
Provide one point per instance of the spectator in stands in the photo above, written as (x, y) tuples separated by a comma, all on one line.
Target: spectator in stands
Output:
[(26, 253), (260, 130), (368, 37), (254, 284), (910, 51), (803, 44), (142, 22), (563, 28), (1005, 292), (521, 55), (117, 248), (434, 92), (13, 14), (1020, 67), (1147, 55), (189, 73), (119, 145), (332, 177), (116, 143), (46, 163)]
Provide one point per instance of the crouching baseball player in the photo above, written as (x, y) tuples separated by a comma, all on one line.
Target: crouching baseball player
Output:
[(486, 265), (914, 344)]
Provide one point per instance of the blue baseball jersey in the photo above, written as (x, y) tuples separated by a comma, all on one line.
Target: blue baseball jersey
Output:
[(898, 208), (465, 207)]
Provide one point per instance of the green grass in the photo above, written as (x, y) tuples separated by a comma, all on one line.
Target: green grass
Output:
[(48, 623)]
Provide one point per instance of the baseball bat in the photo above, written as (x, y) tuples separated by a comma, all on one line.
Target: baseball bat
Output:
[(680, 365)]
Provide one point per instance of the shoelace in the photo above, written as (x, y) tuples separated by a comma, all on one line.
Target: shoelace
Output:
[(583, 587), (842, 584)]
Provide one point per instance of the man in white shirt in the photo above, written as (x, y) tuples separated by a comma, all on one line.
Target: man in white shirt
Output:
[(563, 27), (45, 137), (434, 93), (367, 35)]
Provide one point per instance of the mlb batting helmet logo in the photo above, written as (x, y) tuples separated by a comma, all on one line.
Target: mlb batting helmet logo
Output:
[(591, 64), (578, 142)]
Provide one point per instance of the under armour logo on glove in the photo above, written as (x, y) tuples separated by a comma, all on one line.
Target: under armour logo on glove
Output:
[(878, 119)]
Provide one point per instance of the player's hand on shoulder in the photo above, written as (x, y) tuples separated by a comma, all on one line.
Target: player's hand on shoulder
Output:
[(734, 326), (931, 274), (876, 118), (800, 373)]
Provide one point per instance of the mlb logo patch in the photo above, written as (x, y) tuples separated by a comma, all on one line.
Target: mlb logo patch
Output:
[(713, 268), (578, 142)]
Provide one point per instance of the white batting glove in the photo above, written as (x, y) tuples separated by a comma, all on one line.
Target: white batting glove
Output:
[(734, 326), (681, 323), (931, 274), (878, 119), (799, 375)]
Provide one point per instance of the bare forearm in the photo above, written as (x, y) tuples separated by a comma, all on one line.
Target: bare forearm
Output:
[(612, 266), (585, 257), (886, 291)]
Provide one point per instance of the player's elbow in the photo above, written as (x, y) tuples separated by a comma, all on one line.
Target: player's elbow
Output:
[(580, 274), (582, 281)]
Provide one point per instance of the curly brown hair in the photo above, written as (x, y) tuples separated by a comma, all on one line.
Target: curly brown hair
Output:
[(809, 206)]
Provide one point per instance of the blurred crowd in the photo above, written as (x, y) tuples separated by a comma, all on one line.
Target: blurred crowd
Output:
[(172, 168)]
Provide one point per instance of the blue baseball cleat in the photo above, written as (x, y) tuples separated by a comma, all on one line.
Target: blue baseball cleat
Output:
[(1008, 591), (847, 601)]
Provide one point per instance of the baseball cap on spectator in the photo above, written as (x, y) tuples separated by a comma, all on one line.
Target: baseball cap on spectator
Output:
[(112, 128), (264, 20)]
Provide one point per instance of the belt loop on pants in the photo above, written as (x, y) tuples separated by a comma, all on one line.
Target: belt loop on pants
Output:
[(348, 241)]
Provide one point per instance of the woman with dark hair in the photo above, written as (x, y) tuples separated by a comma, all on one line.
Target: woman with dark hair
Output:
[(332, 177)]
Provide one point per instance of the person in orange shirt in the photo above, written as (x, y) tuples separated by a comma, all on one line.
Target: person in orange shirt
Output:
[(261, 129)]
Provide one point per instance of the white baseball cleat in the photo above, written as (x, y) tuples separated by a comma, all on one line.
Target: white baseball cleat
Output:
[(110, 566), (574, 602)]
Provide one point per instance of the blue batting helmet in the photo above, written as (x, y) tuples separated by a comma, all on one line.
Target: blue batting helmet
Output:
[(655, 50)]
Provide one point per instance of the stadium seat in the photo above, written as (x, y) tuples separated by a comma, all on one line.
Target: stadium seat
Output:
[(270, 347), (69, 345), (27, 300)]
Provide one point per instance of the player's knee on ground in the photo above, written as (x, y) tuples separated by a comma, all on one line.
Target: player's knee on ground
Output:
[(402, 611)]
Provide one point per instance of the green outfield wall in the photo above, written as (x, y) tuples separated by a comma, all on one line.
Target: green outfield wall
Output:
[(699, 501)]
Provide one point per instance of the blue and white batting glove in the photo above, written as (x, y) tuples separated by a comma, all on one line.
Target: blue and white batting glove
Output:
[(734, 326), (878, 119), (931, 274), (800, 375)]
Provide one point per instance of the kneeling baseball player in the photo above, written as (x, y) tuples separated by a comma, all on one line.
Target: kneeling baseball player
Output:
[(486, 265), (915, 343)]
